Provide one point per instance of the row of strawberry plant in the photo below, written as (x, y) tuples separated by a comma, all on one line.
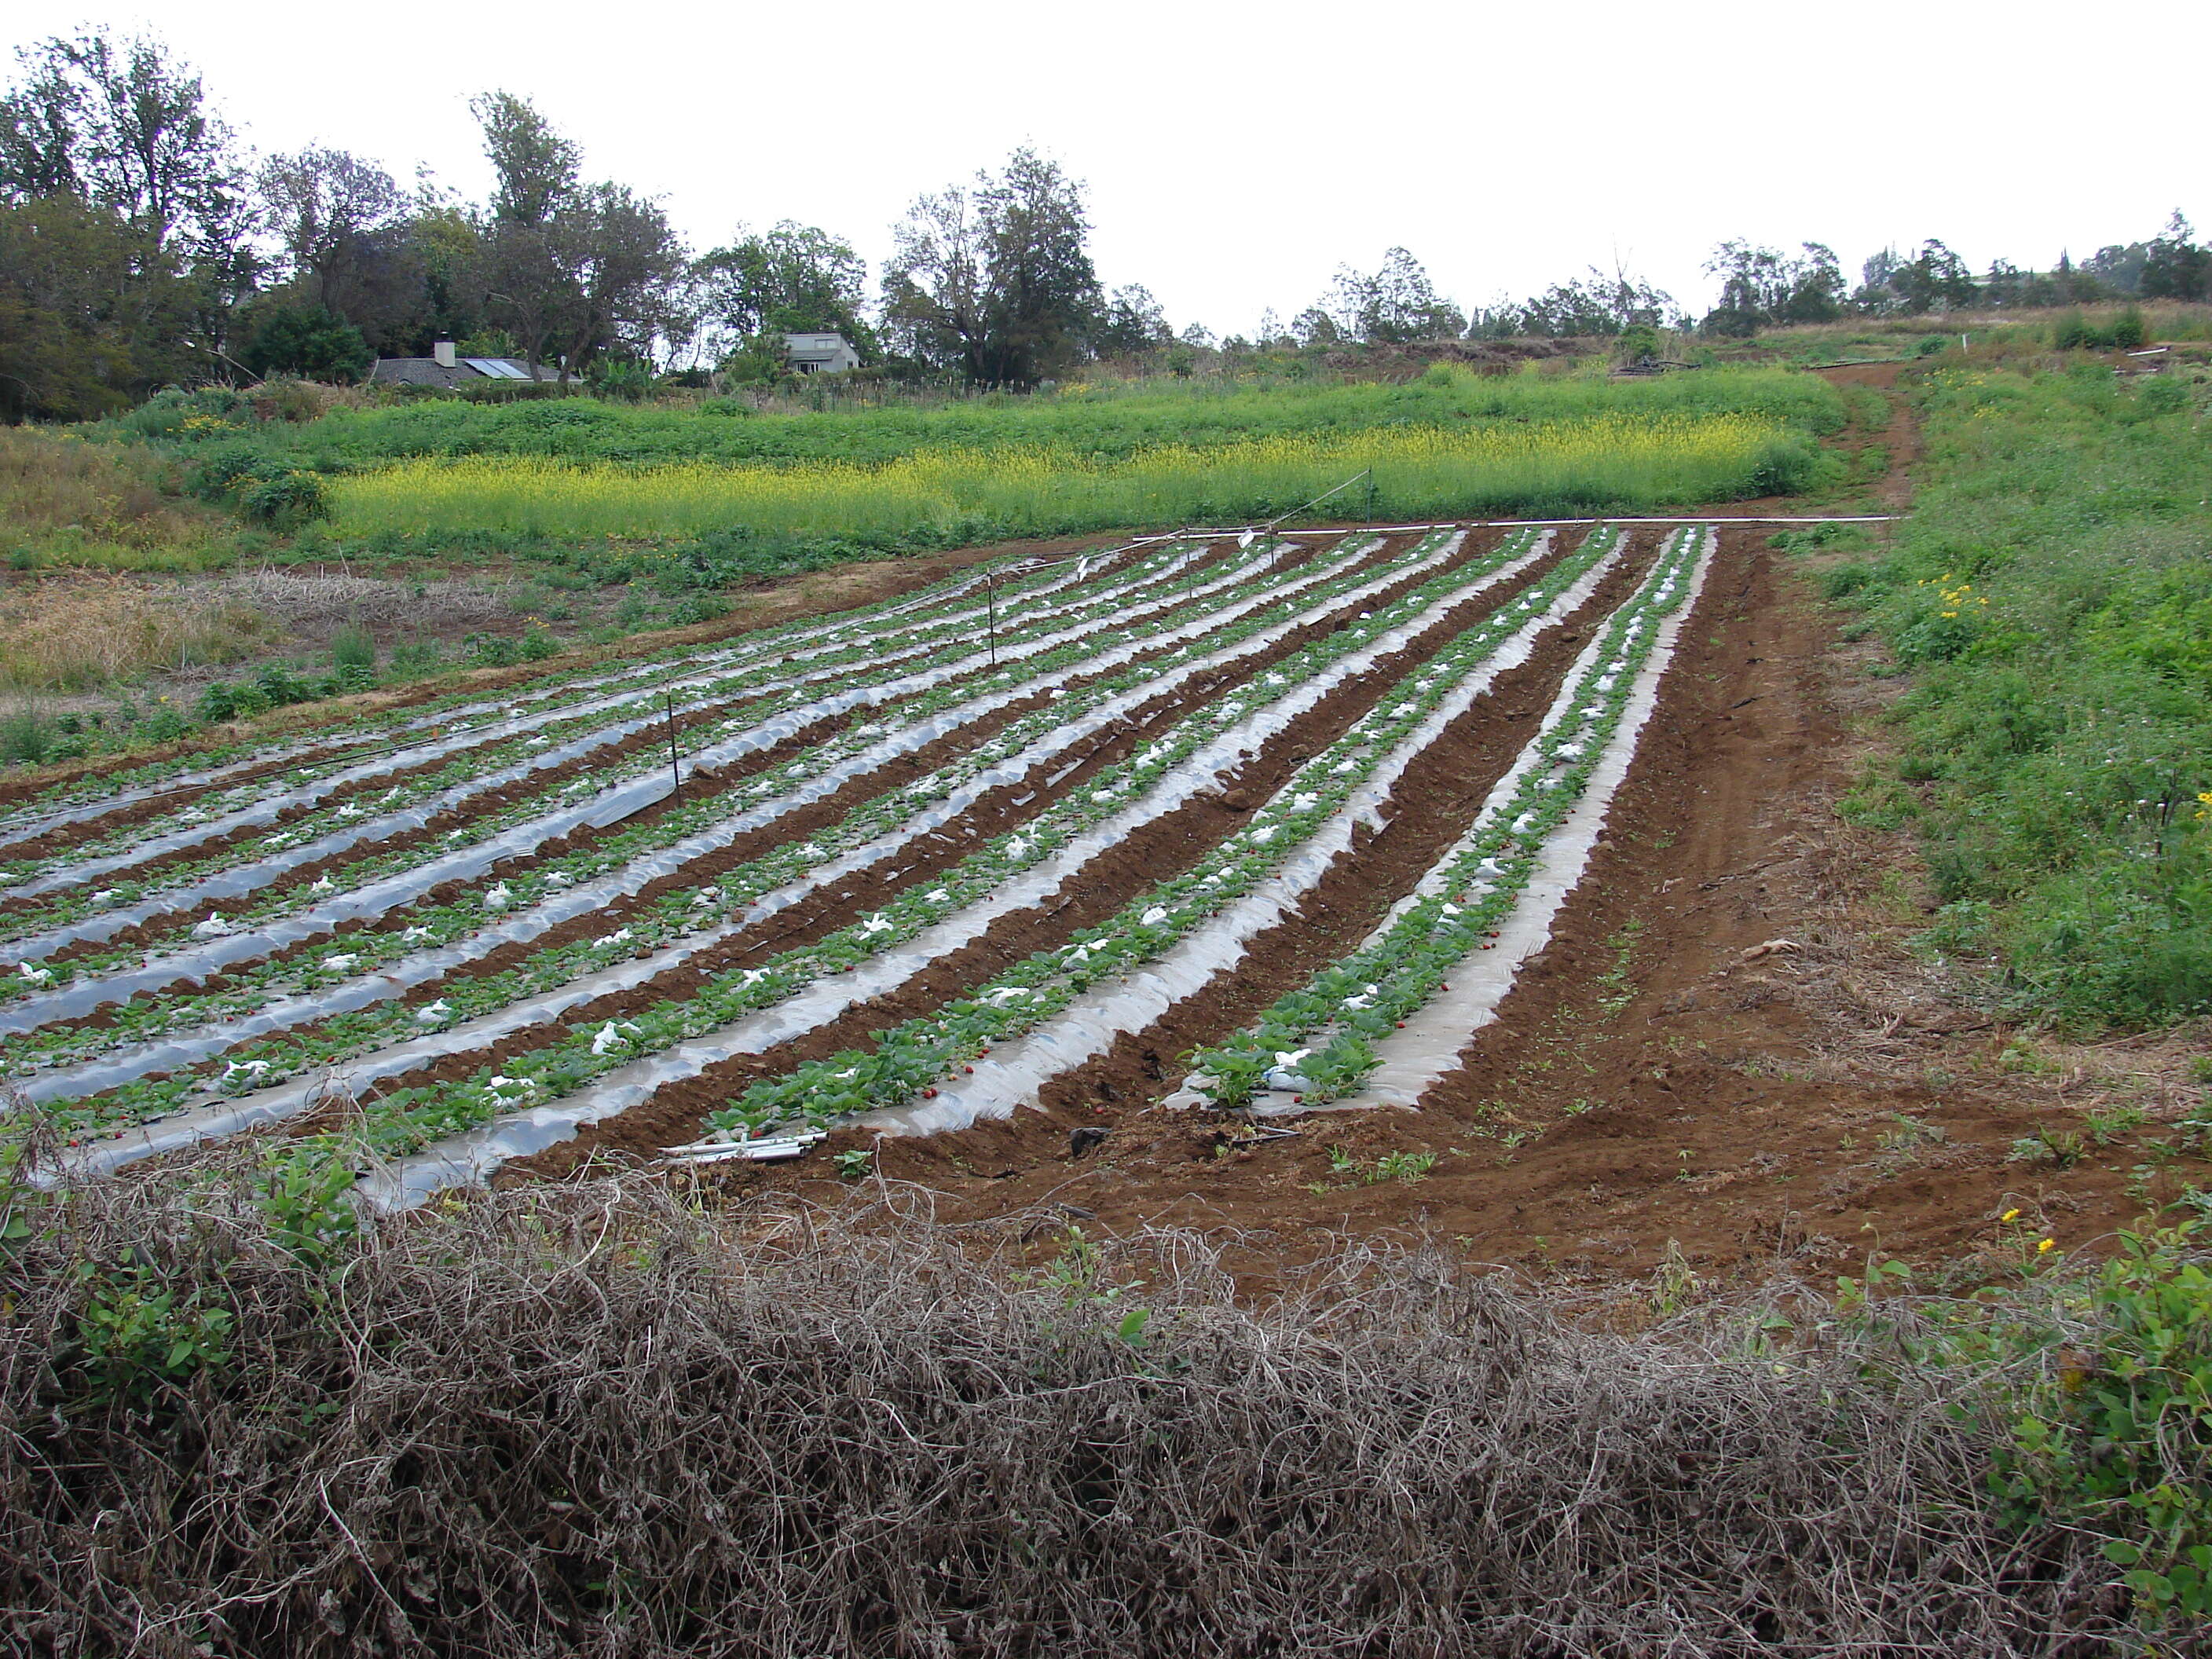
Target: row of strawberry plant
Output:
[(914, 1059), (36, 976), (371, 957), (98, 796), (408, 1117), (476, 748), (1318, 1040)]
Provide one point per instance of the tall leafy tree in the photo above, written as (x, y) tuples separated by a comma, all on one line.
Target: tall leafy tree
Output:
[(1934, 280), (123, 125), (794, 279), (126, 235), (623, 266), (1597, 304), (1395, 304), (522, 272), (569, 268), (1762, 287), (338, 218), (1130, 322), (537, 171), (92, 315), (996, 281), (2175, 266)]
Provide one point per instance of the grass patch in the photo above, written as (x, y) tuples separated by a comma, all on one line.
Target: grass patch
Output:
[(64, 501), (2054, 592)]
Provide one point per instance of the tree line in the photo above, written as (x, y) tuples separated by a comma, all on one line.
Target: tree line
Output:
[(141, 246)]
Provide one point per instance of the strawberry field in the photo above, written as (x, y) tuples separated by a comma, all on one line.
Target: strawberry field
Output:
[(901, 867)]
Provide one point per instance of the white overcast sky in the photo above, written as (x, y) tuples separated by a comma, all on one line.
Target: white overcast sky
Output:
[(1236, 155)]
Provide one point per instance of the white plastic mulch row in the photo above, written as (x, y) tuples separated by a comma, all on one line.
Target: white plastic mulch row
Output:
[(147, 846), (110, 1070), (1013, 1074), (472, 1155), (609, 807), (394, 979), (21, 823), (1413, 1060)]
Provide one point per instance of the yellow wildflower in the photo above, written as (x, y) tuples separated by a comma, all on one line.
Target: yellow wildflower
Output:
[(2046, 1244), (2010, 1215)]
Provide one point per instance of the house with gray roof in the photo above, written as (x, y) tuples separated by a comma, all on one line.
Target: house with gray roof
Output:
[(448, 369), (819, 354)]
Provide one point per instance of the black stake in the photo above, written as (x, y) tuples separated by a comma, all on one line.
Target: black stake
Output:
[(674, 775)]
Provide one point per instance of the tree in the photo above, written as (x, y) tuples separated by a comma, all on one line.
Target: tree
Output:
[(522, 273), (1395, 305), (568, 267), (2116, 268), (1762, 287), (794, 279), (1596, 305), (996, 281), (1131, 322), (92, 316), (2174, 267), (310, 341), (1934, 280), (621, 262), (338, 217), (537, 171), (124, 125)]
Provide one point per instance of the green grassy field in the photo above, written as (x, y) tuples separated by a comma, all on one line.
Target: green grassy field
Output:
[(780, 488), (2054, 591), (947, 495)]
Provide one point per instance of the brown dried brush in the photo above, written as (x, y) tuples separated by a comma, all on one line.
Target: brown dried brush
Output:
[(604, 1418)]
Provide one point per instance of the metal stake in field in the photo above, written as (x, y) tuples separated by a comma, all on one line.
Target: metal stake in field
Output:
[(675, 774)]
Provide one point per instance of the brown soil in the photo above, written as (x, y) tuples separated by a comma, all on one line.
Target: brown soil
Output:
[(1728, 1062)]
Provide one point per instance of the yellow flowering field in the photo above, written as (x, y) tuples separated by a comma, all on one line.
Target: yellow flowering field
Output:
[(1615, 463)]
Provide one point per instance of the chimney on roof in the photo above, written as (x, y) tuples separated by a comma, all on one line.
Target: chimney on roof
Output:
[(444, 353)]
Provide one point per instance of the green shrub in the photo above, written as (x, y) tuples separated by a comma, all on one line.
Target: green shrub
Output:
[(141, 1338), (492, 650), (285, 500), (2072, 332), (353, 646), (27, 737), (2127, 332), (2120, 1440)]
